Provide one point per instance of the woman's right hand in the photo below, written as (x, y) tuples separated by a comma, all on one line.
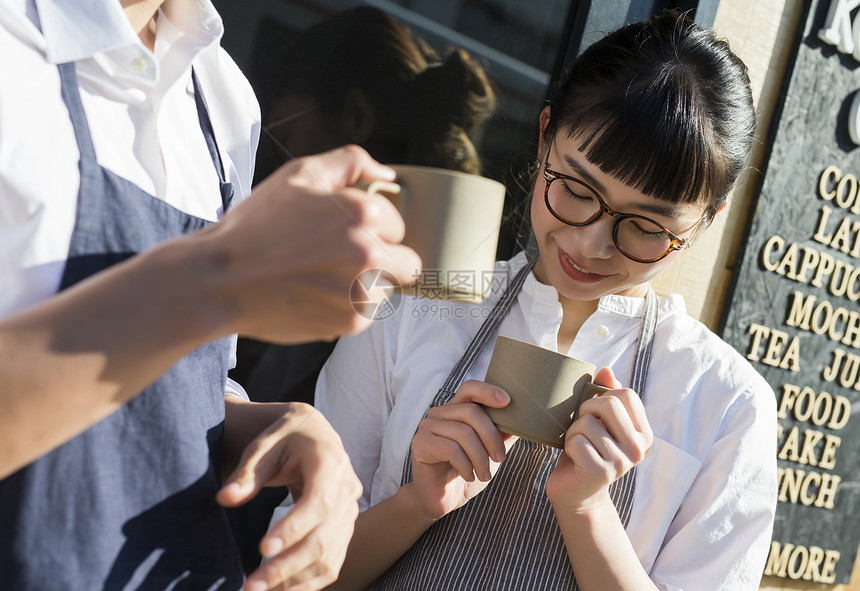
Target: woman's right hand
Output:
[(457, 449)]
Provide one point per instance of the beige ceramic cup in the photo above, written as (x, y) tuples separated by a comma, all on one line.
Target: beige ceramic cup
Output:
[(452, 222), (546, 389)]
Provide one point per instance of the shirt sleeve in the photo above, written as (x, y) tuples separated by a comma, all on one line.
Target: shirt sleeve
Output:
[(353, 393), (720, 536)]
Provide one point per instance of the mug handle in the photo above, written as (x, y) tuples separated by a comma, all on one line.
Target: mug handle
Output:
[(388, 189), (589, 390)]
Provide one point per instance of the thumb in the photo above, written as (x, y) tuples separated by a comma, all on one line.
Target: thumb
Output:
[(343, 167), (243, 484), (606, 378), (482, 393)]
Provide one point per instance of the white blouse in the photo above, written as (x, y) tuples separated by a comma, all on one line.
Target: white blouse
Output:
[(704, 500)]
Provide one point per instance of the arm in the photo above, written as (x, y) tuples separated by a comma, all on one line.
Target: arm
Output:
[(610, 437), (455, 452), (278, 267)]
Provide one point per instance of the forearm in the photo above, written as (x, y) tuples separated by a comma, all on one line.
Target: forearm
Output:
[(383, 533), (600, 552), (72, 360)]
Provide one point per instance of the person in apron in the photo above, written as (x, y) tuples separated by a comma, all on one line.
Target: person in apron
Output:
[(114, 426), (638, 150)]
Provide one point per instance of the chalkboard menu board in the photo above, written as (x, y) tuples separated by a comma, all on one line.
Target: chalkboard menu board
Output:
[(794, 308)]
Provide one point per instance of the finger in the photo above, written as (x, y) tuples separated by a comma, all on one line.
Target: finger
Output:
[(464, 436), (606, 377), (382, 216), (400, 261), (307, 514), (374, 226), (634, 407), (314, 561), (255, 469), (613, 412), (430, 448), (482, 393), (299, 566), (341, 168), (583, 452), (320, 498), (596, 435), (476, 418)]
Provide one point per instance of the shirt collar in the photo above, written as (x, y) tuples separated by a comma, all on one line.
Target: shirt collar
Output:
[(543, 313), (80, 29)]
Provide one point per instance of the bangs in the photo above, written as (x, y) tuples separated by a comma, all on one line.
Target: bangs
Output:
[(650, 136)]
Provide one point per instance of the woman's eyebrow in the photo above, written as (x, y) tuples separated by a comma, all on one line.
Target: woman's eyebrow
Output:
[(661, 208), (577, 168)]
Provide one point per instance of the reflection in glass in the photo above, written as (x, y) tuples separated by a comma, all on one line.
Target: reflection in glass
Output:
[(362, 77)]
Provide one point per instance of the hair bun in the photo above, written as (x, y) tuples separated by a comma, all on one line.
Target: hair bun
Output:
[(456, 91)]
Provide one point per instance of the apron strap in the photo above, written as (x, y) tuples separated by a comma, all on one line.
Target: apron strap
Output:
[(211, 144), (621, 491), (72, 98), (488, 328)]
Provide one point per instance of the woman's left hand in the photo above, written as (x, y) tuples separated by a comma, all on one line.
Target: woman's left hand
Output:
[(610, 436)]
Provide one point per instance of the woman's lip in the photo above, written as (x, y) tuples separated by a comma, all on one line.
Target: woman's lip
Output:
[(577, 272)]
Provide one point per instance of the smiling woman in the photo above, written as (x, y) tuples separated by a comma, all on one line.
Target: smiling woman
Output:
[(638, 148)]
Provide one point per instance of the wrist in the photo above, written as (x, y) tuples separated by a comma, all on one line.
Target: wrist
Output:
[(411, 508), (585, 509), (199, 267)]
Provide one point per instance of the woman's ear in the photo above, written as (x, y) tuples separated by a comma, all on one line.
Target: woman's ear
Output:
[(544, 121), (358, 120)]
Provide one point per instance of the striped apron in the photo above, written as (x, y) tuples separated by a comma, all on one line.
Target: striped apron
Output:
[(507, 537)]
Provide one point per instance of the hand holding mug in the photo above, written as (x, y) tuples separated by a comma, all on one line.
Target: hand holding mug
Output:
[(457, 449), (610, 436), (283, 262)]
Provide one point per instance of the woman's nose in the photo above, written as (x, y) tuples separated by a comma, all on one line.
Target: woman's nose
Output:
[(595, 239)]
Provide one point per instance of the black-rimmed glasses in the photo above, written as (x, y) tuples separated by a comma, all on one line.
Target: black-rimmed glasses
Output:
[(573, 202)]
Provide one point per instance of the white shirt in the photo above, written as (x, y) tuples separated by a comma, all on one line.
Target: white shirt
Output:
[(704, 500), (142, 117)]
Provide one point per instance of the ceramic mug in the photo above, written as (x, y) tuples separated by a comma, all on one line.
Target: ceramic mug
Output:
[(546, 390), (452, 222)]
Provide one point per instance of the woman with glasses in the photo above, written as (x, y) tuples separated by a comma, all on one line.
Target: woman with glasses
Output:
[(666, 482)]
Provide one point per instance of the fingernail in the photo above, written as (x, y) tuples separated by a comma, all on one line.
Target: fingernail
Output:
[(255, 586), (233, 488), (501, 396), (500, 454), (271, 546)]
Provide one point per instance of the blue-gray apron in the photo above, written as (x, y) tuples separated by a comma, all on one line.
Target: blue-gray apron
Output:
[(129, 503)]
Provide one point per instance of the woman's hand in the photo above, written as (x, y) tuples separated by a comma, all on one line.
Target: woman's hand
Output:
[(610, 436), (457, 449)]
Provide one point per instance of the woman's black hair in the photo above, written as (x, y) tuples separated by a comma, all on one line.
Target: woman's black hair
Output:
[(662, 105)]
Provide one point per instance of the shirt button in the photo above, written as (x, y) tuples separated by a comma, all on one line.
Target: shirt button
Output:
[(601, 332), (139, 65)]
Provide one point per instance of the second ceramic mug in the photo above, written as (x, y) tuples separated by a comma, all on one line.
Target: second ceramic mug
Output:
[(452, 222), (546, 390)]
